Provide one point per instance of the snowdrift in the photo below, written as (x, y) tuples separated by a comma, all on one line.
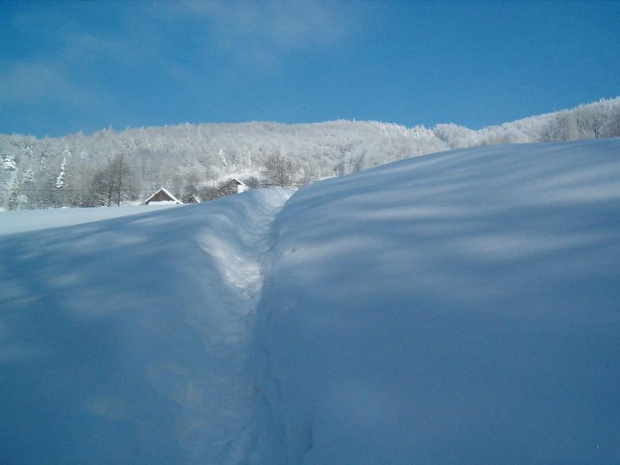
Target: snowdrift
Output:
[(459, 308), (127, 341)]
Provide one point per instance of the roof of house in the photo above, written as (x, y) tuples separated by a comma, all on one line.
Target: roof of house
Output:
[(196, 198), (167, 193)]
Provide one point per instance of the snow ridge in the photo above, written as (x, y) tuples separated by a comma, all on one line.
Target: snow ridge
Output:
[(129, 340), (456, 308)]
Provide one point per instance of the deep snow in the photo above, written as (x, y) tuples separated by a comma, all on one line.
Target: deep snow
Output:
[(457, 308), (128, 340)]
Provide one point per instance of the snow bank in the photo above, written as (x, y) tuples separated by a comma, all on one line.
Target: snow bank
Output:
[(460, 308), (127, 341)]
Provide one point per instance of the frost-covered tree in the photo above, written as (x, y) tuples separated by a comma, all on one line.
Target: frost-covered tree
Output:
[(60, 179), (590, 120), (612, 125), (60, 197), (8, 162), (212, 153), (562, 127), (111, 184), (13, 201), (29, 177), (279, 171), (456, 136), (28, 186)]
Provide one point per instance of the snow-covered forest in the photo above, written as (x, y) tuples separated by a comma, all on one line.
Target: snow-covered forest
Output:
[(111, 167)]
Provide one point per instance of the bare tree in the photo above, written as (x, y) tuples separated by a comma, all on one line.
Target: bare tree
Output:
[(590, 120), (279, 171), (111, 183)]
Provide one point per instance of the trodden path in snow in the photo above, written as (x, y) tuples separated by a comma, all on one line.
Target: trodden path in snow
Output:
[(130, 340), (240, 264), (220, 419)]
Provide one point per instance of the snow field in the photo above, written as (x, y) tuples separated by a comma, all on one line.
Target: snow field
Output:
[(13, 222), (457, 308), (127, 341)]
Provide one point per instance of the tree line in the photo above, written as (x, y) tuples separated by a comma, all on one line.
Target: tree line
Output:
[(110, 167)]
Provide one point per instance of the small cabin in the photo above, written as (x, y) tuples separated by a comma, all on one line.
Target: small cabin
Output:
[(192, 198), (230, 187), (240, 186), (162, 197)]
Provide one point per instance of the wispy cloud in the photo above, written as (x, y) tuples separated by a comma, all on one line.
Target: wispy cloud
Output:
[(41, 81), (257, 34), (51, 74), (95, 59), (264, 33)]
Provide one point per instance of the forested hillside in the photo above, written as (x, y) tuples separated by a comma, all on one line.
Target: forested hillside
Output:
[(111, 167)]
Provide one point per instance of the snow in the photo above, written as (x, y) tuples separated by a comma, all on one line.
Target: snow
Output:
[(13, 222), (454, 308), (457, 308), (164, 202), (128, 340)]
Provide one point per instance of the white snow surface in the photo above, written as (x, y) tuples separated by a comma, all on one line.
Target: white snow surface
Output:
[(128, 340), (458, 308), (12, 222)]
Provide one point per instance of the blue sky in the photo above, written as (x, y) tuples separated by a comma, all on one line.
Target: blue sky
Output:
[(82, 66)]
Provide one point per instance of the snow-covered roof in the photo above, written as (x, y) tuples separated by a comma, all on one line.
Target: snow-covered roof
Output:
[(167, 193), (192, 198)]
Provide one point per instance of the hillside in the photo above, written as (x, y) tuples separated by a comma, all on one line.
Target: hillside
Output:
[(456, 308), (81, 170)]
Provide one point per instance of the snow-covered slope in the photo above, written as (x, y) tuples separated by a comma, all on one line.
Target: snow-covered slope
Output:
[(454, 309), (127, 341), (461, 308)]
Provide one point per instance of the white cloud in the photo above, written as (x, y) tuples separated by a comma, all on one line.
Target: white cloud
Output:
[(32, 81), (40, 81), (143, 36), (264, 33)]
